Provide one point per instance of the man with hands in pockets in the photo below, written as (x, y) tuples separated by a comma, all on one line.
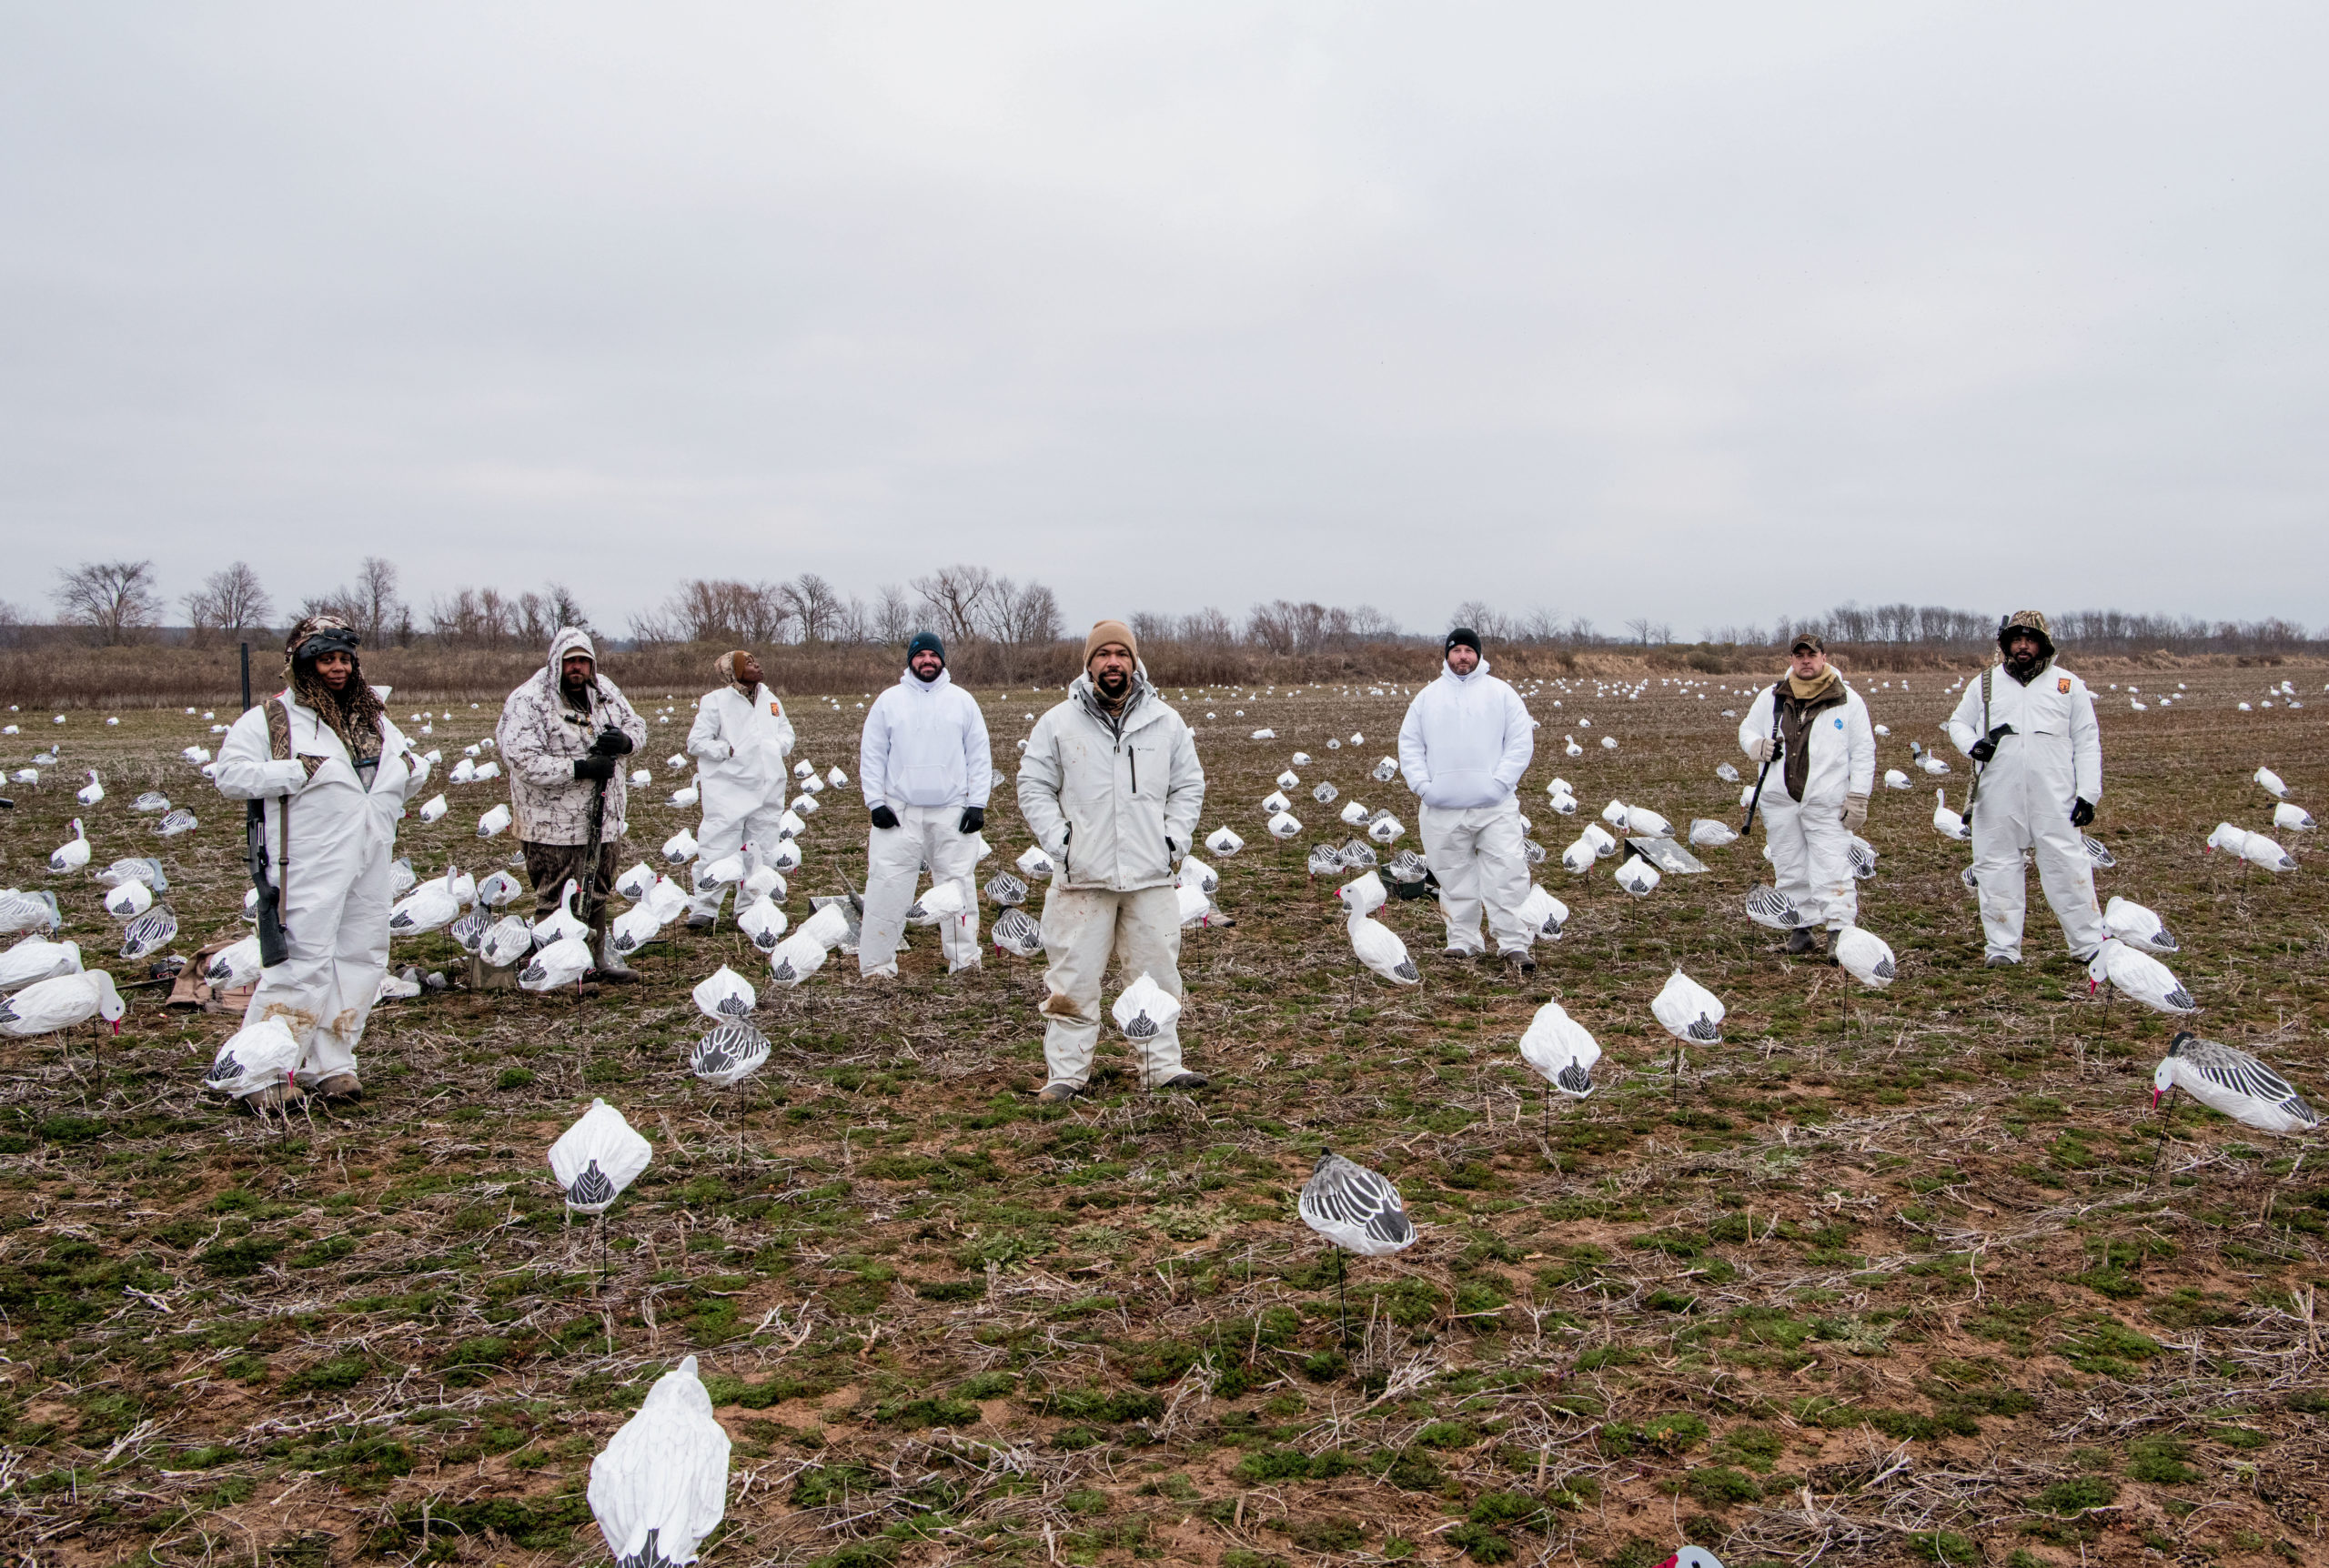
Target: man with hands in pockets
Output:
[(1466, 743), (923, 766)]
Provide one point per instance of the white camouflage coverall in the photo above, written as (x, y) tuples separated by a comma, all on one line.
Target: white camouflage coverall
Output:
[(335, 888), (740, 744), (1115, 804), (923, 754), (1806, 842), (2051, 762), (1464, 746)]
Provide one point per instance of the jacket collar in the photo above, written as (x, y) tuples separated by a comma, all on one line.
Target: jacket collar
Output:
[(1453, 678), (914, 682), (1138, 708)]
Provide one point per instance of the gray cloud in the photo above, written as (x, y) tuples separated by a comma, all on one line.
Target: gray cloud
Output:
[(1699, 311)]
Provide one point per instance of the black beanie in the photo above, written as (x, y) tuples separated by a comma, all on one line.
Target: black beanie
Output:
[(1463, 636), (926, 642)]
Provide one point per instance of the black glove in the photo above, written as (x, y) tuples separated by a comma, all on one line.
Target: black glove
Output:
[(600, 768), (884, 819), (611, 743), (2081, 812), (973, 818), (1982, 750)]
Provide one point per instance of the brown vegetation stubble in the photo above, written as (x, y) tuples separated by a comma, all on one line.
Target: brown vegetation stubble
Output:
[(1981, 1127)]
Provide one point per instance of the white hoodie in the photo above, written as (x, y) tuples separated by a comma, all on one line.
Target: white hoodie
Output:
[(925, 745), (1466, 740)]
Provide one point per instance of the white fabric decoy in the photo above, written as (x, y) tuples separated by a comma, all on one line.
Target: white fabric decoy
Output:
[(1275, 803), (498, 890), (1637, 876), (1608, 743), (234, 966), (73, 854), (1196, 906), (1385, 770), (507, 940), (640, 777), (1356, 1208), (835, 779), (762, 923), (679, 848), (1290, 780), (1866, 957), (1284, 826), (23, 912), (494, 821), (2137, 927), (2288, 816), (402, 877), (129, 901), (557, 965), (1223, 842), (1688, 1011), (150, 932), (2139, 976), (1614, 813), (91, 792), (1195, 873), (1035, 866), (430, 907), (462, 772), (732, 1052), (1896, 779), (256, 1057), (1354, 812), (1946, 822), (1015, 931), (1862, 854), (561, 922), (1143, 1010), (676, 762), (60, 1003), (1706, 833), (1561, 1050), (435, 806), (1570, 746), (594, 1160), (724, 994), (36, 959), (2233, 1083), (1325, 859), (796, 958), (2269, 783), (634, 884), (1378, 947), (1579, 858), (1725, 771), (1604, 842), (1361, 896)]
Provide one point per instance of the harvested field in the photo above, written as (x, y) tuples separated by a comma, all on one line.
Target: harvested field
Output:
[(1882, 1278)]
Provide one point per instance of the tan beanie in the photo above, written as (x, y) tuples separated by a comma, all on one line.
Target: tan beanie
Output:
[(1104, 632)]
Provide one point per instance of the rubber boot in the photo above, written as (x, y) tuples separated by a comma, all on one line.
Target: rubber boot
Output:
[(610, 967)]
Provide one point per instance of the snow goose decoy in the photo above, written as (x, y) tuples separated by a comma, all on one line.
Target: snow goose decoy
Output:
[(560, 922), (2138, 927), (1386, 828), (61, 1002), (506, 942), (71, 855), (152, 803), (1570, 747), (2097, 852), (1324, 861), (634, 884), (1643, 822), (91, 792), (149, 933), (559, 963), (1946, 822), (660, 1485), (1868, 958), (1861, 856), (1896, 779), (762, 923), (435, 806), (1726, 772), (1005, 891), (1356, 1211), (430, 907), (1015, 931), (128, 900), (724, 995), (1636, 874), (2140, 976), (498, 890), (1378, 947), (1195, 873), (1384, 770), (174, 823), (493, 822), (2269, 783), (2288, 816), (1142, 1011), (255, 1064), (234, 966), (1562, 1051), (36, 959), (1355, 812), (797, 957), (1706, 833), (679, 848), (1543, 913), (1223, 842), (1689, 1012), (2232, 1082)]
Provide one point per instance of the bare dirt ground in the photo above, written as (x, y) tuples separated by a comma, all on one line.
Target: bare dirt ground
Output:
[(1900, 1291)]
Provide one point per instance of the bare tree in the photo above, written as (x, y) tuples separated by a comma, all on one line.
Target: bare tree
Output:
[(1023, 614), (115, 600), (1208, 627), (956, 599), (374, 599), (11, 624), (815, 607), (892, 616), (715, 609), (230, 601), (564, 609), (482, 617)]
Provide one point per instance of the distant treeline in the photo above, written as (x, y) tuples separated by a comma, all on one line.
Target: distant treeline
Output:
[(102, 647)]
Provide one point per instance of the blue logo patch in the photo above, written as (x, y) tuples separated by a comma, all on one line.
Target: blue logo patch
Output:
[(1840, 724)]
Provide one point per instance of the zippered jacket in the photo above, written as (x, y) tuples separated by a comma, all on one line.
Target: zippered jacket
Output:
[(1113, 800)]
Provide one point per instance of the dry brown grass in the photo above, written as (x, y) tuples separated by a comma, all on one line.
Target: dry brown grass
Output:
[(1904, 1295)]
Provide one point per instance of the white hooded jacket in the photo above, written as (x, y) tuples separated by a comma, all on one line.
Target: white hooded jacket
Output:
[(2055, 737), (740, 744), (541, 736), (1466, 740), (925, 745), (338, 824), (1114, 804)]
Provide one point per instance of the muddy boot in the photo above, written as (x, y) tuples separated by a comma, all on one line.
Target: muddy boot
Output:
[(610, 967), (1798, 941)]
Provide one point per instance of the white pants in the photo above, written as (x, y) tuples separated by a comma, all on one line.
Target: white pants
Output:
[(1081, 928), (1810, 849), (1478, 854), (338, 919), (726, 835), (2021, 807), (925, 835)]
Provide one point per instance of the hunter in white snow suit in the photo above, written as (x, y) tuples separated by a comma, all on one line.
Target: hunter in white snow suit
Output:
[(2029, 724), (923, 766), (739, 740), (1464, 746), (1812, 731)]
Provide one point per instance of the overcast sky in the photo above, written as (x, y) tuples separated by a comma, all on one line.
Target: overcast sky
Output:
[(1699, 311)]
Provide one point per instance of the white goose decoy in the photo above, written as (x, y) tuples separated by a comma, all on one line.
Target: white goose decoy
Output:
[(1579, 858), (762, 923), (594, 1160), (507, 940), (2288, 816), (60, 1003), (1325, 859), (1015, 931), (430, 907), (1361, 896), (1896, 779), (486, 770), (1862, 854), (36, 959), (1385, 829), (2269, 783), (634, 884), (797, 956), (129, 901), (1614, 813), (1356, 1211), (134, 868), (1561, 1050), (1637, 876), (1378, 947), (234, 966), (835, 779), (684, 797), (73, 854), (2138, 927), (498, 890), (731, 1054), (434, 808), (1275, 803), (1726, 772), (1144, 1010), (2140, 976), (1688, 1011), (1221, 841), (1563, 803), (2232, 1083), (254, 1059), (1643, 822), (724, 995), (150, 932), (1385, 770), (640, 777), (463, 772), (660, 1485), (560, 922), (555, 965), (152, 803), (1866, 957), (174, 823), (1946, 822), (676, 762), (2255, 849), (493, 822), (1608, 743), (1284, 826), (1604, 842), (679, 848), (91, 792), (1543, 913), (1706, 833), (2097, 852), (1570, 747), (1290, 780), (1691, 1557)]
